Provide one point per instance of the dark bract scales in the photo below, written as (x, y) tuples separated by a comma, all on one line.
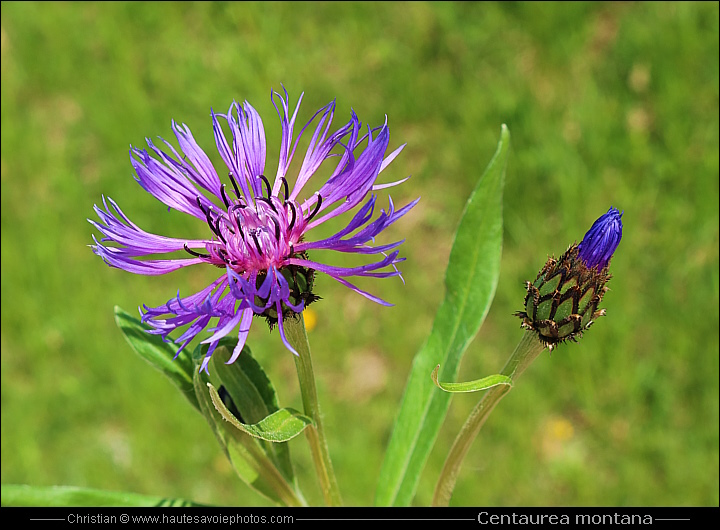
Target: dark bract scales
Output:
[(563, 300)]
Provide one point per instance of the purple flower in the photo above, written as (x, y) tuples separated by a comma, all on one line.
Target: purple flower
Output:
[(600, 242), (258, 230)]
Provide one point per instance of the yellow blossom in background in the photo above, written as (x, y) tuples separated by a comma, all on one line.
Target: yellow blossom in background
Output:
[(556, 436), (310, 317), (561, 429)]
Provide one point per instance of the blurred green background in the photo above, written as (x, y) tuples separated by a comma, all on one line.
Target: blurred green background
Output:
[(607, 104)]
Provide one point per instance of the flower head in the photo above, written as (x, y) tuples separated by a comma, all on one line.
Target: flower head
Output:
[(600, 242), (257, 230), (563, 300)]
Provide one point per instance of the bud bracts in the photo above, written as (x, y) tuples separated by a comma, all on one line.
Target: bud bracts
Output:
[(563, 300)]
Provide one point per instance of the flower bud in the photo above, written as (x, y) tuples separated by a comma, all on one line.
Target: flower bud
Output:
[(563, 300)]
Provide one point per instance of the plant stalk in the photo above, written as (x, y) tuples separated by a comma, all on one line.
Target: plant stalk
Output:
[(297, 336), (525, 353)]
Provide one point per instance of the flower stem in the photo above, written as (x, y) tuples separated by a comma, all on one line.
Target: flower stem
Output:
[(297, 336), (525, 352)]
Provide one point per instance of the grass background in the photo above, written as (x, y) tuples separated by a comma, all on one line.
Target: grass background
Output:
[(607, 104)]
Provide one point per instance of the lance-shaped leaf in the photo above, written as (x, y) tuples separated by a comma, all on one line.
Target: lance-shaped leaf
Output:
[(471, 386), (280, 426), (470, 282), (245, 453), (249, 395), (162, 355), (252, 395), (24, 495)]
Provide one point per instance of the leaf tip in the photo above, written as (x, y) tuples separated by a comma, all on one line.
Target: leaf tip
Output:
[(434, 376), (119, 312), (504, 133)]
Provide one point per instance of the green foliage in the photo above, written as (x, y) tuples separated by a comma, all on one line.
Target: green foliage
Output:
[(265, 467), (470, 282), (253, 396), (621, 110), (471, 386), (22, 495), (160, 354), (280, 426)]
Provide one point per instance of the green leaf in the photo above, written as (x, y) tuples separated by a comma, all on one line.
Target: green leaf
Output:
[(251, 392), (162, 355), (470, 282), (280, 426), (471, 386), (264, 466), (23, 495)]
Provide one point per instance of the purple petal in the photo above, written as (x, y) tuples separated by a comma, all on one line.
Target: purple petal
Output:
[(117, 227), (353, 186), (152, 267), (229, 157), (363, 270), (287, 132), (360, 291), (245, 323), (390, 158), (600, 242), (205, 174), (281, 328)]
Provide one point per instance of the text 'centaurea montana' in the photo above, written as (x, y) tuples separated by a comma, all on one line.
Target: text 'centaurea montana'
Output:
[(257, 229)]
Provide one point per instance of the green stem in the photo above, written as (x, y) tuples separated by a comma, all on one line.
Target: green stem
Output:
[(267, 469), (297, 336), (526, 352)]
